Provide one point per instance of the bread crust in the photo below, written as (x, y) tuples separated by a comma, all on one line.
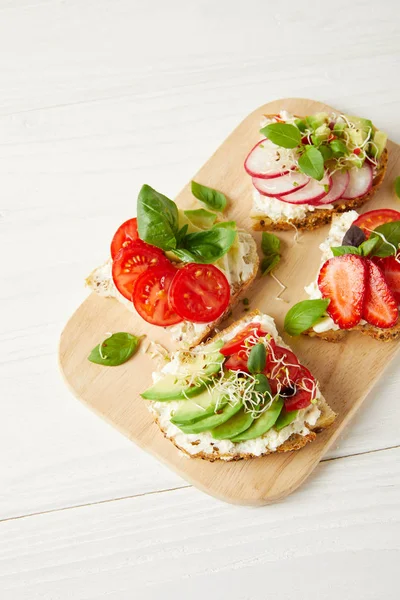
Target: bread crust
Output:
[(382, 335)]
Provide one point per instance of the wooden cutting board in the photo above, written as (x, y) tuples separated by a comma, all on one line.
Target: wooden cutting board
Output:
[(346, 370)]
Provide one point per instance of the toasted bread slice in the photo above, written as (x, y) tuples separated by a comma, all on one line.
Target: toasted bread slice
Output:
[(383, 335), (202, 446), (186, 333), (318, 217)]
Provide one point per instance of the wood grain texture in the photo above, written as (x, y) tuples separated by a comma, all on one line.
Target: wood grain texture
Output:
[(114, 393)]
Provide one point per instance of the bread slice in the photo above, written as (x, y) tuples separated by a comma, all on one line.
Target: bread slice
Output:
[(318, 217), (382, 335), (187, 334), (202, 446)]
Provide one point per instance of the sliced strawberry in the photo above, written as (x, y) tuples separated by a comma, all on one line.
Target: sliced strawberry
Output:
[(391, 270), (380, 307), (342, 279)]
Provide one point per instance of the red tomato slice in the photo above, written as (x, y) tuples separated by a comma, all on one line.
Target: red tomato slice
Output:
[(372, 219), (125, 235), (150, 296), (237, 362), (131, 261), (304, 391), (390, 266), (199, 293), (282, 367), (244, 339)]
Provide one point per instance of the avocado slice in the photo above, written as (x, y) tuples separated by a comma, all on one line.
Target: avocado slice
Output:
[(191, 411), (357, 136), (209, 423), (315, 121), (300, 124), (321, 134), (285, 418), (378, 144), (360, 123), (262, 424), (233, 426), (169, 388), (201, 218)]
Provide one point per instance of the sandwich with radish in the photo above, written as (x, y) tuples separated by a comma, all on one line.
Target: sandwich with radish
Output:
[(306, 170), (179, 269), (358, 285), (243, 394)]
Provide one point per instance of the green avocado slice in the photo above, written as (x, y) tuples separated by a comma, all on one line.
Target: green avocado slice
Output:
[(213, 421), (233, 426), (191, 411), (285, 418), (262, 424)]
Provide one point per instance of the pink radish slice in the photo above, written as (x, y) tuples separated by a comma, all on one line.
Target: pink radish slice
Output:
[(360, 182), (266, 160), (340, 181), (287, 184), (313, 193)]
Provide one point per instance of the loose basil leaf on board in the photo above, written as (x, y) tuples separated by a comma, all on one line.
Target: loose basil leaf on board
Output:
[(115, 350), (201, 218), (270, 244), (226, 224), (304, 315), (389, 239), (157, 218), (206, 246), (311, 163), (269, 263), (354, 236), (211, 198), (257, 359), (282, 134), (397, 186)]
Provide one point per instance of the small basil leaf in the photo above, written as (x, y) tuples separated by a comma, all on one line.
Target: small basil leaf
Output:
[(270, 244), (389, 243), (115, 350), (257, 359), (368, 246), (211, 198), (226, 224), (304, 315), (262, 385), (157, 218), (397, 186), (206, 246), (201, 218), (353, 236), (181, 234), (282, 134), (338, 148), (340, 250), (311, 163), (269, 263), (326, 152)]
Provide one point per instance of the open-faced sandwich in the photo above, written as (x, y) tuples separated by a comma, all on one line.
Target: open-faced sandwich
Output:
[(242, 394), (184, 270), (306, 170), (358, 284)]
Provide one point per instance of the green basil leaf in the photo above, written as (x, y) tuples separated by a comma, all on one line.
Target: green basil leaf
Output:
[(226, 224), (282, 134), (257, 359), (270, 244), (339, 148), (397, 186), (340, 250), (262, 385), (269, 263), (304, 315), (206, 246), (368, 246), (181, 234), (157, 218), (211, 198), (354, 236), (115, 350), (391, 233), (201, 218), (326, 152), (311, 163)]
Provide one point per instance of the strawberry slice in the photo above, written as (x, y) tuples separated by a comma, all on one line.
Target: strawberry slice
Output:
[(380, 307), (391, 270), (342, 279)]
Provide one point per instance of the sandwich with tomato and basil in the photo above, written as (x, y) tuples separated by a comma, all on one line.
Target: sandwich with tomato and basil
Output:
[(358, 284), (179, 269), (306, 170), (243, 394)]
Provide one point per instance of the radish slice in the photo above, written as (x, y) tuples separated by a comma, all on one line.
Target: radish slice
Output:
[(312, 193), (267, 160), (360, 182), (287, 184), (340, 181)]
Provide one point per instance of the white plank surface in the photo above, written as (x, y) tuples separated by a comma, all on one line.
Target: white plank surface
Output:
[(95, 99)]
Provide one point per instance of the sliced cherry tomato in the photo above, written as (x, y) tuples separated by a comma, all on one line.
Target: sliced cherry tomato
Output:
[(372, 219), (199, 293), (150, 296), (282, 367), (304, 388), (125, 235), (131, 261), (244, 339), (237, 361)]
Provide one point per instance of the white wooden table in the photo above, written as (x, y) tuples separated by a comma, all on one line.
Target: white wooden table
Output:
[(96, 98)]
